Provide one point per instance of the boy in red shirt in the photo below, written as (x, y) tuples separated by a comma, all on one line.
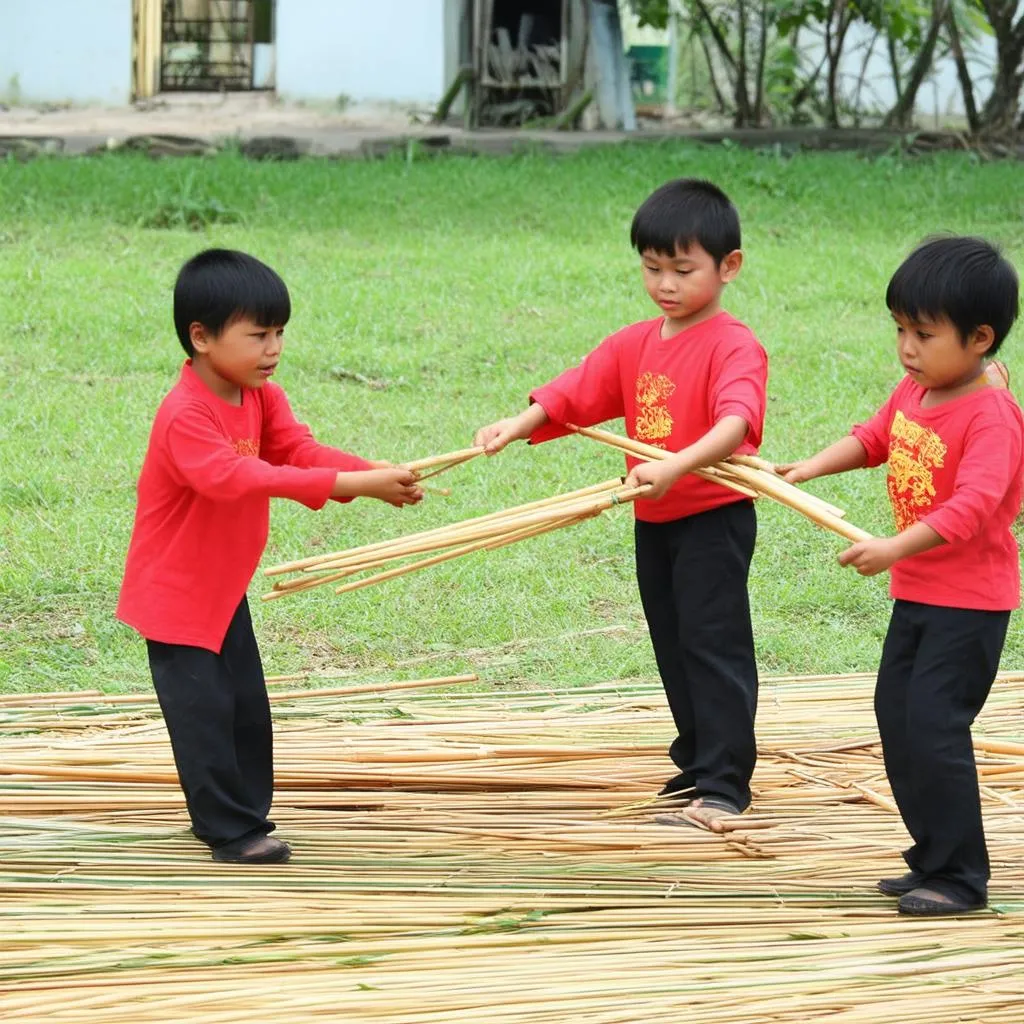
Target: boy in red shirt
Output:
[(953, 438), (693, 382), (224, 442)]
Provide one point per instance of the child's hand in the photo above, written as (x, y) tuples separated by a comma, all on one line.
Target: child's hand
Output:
[(495, 436), (658, 475), (795, 472), (870, 557), (393, 484)]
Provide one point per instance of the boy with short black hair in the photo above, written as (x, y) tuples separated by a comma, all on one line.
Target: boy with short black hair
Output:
[(693, 382), (224, 441), (953, 437)]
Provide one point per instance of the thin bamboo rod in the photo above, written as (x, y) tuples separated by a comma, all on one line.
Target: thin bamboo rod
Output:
[(494, 539), (448, 459), (765, 483), (459, 532), (315, 560)]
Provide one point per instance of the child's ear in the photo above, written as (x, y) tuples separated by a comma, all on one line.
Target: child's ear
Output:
[(199, 337), (730, 265), (981, 339)]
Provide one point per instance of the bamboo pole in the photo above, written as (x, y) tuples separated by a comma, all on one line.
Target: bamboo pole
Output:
[(313, 561), (528, 526), (447, 460), (765, 483)]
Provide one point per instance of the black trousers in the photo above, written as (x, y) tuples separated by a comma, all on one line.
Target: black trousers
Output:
[(692, 575), (937, 668), (218, 718)]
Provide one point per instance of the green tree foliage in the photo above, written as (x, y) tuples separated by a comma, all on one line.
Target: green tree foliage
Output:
[(756, 54)]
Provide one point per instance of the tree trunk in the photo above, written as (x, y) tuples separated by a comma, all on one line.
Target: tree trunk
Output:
[(894, 66), (902, 114), (962, 71), (999, 115), (800, 96), (762, 54), (719, 98), (868, 51), (834, 49), (743, 118)]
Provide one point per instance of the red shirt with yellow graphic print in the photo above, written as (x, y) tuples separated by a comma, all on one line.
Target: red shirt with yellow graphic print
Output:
[(958, 468), (671, 391), (203, 509)]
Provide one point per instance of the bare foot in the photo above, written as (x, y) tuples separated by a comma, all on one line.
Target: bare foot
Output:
[(703, 813), (709, 814)]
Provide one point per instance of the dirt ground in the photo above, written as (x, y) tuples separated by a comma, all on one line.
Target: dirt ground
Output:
[(207, 116)]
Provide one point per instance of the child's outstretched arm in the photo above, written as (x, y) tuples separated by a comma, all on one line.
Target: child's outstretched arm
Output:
[(717, 444), (870, 557), (393, 484), (496, 435), (846, 454)]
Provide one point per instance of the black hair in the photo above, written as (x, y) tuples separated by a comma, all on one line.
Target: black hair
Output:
[(219, 286), (966, 281), (685, 211)]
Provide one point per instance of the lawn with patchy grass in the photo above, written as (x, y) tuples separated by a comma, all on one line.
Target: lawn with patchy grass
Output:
[(454, 285)]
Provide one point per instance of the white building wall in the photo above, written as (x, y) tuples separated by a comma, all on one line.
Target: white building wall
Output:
[(380, 50), (66, 50)]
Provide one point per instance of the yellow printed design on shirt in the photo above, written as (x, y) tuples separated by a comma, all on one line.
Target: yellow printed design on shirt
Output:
[(247, 446), (653, 420), (914, 451)]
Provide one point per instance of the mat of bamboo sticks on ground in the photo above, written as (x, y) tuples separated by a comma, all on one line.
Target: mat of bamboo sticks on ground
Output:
[(479, 856)]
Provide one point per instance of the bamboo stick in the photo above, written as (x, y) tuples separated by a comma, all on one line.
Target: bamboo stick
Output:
[(756, 462), (492, 538), (315, 560), (447, 460), (460, 532), (765, 483)]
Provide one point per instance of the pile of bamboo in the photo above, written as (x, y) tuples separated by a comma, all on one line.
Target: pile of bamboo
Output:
[(747, 475), (468, 856)]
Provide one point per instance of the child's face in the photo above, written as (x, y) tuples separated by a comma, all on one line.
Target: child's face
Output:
[(933, 353), (244, 354), (686, 282)]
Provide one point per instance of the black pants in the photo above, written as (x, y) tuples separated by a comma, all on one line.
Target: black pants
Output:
[(218, 719), (692, 574), (937, 668)]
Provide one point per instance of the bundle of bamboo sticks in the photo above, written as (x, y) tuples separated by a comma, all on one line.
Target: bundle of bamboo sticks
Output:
[(486, 532), (745, 474)]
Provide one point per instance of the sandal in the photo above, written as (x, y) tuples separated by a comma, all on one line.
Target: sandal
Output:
[(899, 886), (929, 903), (261, 850)]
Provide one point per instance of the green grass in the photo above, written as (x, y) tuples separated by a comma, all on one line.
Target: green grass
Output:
[(462, 283)]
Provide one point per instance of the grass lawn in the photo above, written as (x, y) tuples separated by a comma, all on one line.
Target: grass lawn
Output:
[(458, 283)]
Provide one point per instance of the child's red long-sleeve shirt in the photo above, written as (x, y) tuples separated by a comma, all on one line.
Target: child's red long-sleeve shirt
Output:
[(956, 467), (203, 510), (671, 392)]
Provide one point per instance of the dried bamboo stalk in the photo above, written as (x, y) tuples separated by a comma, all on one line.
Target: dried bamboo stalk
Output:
[(766, 484), (317, 560), (447, 460)]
